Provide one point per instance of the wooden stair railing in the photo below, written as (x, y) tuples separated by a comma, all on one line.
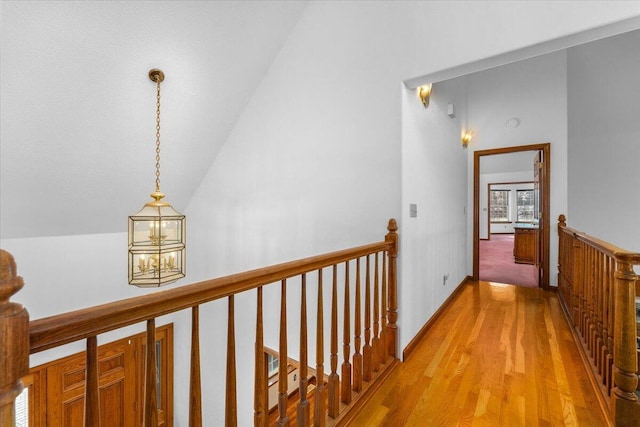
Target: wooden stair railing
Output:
[(334, 400), (597, 286)]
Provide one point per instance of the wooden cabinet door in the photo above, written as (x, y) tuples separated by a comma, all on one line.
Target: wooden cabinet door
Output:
[(56, 389), (66, 385), (524, 246)]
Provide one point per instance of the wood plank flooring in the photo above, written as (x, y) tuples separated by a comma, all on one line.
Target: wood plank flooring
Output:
[(500, 355)]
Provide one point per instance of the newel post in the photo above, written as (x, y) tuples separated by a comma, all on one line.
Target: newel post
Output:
[(14, 339), (392, 307), (562, 221), (624, 403)]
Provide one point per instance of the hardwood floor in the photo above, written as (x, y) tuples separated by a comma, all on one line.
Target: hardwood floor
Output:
[(499, 355)]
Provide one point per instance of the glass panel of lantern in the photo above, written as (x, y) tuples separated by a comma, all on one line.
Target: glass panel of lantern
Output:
[(156, 245)]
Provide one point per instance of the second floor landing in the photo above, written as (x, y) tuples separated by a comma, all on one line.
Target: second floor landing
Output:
[(499, 355)]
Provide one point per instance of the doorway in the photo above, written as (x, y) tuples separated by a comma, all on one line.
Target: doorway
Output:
[(540, 244)]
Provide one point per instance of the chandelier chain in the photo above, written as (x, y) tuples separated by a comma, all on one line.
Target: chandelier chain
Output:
[(158, 136)]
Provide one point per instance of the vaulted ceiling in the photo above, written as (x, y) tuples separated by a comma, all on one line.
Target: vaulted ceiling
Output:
[(78, 110)]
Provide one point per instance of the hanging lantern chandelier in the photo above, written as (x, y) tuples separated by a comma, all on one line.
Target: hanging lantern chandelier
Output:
[(157, 232)]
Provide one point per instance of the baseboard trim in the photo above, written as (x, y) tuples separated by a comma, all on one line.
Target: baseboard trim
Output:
[(423, 331)]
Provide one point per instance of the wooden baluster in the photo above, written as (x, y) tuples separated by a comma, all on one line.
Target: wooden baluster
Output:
[(568, 270), (303, 405), (384, 354), (611, 322), (623, 399), (14, 336), (587, 297), (195, 386), (604, 272), (596, 309), (593, 317), (366, 350), (345, 388), (357, 341), (375, 343), (589, 294), (150, 396), (283, 395), (231, 405), (320, 418), (260, 383), (598, 344), (565, 265), (92, 391), (585, 292), (589, 272), (607, 318), (392, 309), (592, 299), (567, 274), (334, 380), (572, 273), (575, 298), (578, 284)]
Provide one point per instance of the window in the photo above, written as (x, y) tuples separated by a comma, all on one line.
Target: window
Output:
[(22, 408), (524, 204), (499, 206), (272, 363)]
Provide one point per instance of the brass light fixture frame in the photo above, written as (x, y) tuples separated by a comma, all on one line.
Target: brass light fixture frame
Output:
[(466, 138), (424, 94), (157, 232)]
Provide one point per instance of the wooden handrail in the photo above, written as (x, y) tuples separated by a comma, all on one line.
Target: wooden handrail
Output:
[(607, 248), (332, 400), (597, 288), (64, 328)]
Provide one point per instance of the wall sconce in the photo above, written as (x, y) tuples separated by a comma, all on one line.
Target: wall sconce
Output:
[(466, 137), (424, 93), (157, 232)]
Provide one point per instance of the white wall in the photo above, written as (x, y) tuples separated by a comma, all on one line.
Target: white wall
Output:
[(434, 175), (604, 130), (69, 273), (535, 91)]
